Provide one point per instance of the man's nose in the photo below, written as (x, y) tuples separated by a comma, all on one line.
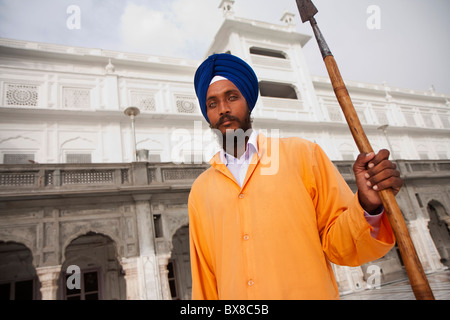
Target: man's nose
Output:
[(224, 108)]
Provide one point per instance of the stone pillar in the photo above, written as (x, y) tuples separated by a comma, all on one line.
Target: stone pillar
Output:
[(129, 266), (148, 264), (424, 245), (48, 276), (163, 260)]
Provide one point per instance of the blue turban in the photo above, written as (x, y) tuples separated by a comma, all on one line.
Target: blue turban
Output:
[(234, 69)]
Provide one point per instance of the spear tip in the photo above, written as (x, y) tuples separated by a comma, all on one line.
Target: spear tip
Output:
[(307, 9)]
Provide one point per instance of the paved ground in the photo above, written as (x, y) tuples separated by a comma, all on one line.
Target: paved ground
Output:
[(401, 290)]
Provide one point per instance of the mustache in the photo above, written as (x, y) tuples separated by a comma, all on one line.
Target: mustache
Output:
[(226, 117)]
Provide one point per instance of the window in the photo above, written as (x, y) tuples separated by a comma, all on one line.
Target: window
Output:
[(157, 221), (172, 281), (89, 287), (419, 200), (78, 158), (18, 158), (277, 90), (268, 52), (17, 290)]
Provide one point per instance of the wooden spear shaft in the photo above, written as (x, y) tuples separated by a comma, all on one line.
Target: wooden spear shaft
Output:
[(413, 266)]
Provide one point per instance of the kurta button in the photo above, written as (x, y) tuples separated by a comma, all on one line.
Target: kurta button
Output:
[(246, 237), (241, 196), (250, 282)]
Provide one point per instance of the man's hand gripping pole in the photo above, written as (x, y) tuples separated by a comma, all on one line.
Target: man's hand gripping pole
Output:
[(413, 266)]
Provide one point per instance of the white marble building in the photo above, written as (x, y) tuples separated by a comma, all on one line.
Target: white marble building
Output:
[(72, 193)]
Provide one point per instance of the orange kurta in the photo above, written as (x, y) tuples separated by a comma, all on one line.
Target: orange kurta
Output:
[(273, 237)]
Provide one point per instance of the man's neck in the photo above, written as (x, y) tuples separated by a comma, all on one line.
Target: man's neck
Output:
[(235, 142)]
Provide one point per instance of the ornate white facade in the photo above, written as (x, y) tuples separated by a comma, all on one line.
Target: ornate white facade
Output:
[(72, 194)]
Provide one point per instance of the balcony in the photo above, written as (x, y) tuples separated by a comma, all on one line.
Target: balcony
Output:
[(64, 180), (35, 181)]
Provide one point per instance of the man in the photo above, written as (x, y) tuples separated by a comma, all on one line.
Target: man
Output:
[(272, 236)]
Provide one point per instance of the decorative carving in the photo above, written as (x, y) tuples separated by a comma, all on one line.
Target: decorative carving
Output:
[(48, 276), (227, 8), (17, 179), (87, 177), (145, 101), (109, 67), (21, 95), (49, 179), (76, 98), (152, 175), (186, 104), (124, 173), (181, 174), (335, 114)]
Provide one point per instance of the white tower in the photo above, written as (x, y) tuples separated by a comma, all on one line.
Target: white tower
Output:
[(227, 8), (288, 18)]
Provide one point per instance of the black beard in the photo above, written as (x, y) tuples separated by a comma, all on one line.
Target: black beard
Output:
[(234, 141)]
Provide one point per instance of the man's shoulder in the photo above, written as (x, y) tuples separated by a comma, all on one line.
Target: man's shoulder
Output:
[(203, 178), (294, 143), (297, 140)]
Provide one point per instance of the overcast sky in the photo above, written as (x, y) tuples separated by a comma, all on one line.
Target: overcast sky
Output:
[(406, 43)]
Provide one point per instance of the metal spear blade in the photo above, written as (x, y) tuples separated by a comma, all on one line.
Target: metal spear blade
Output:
[(307, 9)]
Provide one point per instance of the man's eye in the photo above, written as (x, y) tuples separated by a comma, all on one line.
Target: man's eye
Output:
[(212, 105), (232, 98)]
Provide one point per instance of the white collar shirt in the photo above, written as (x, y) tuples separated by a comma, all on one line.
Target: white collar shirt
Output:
[(239, 167)]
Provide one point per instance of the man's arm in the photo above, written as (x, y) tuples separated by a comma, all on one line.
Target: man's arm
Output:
[(204, 286), (344, 231)]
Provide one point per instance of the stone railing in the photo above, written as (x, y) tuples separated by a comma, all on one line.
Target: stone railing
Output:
[(424, 168), (64, 177), (15, 179)]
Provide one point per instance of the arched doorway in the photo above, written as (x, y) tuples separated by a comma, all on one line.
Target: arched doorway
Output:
[(439, 230), (18, 278), (179, 266), (100, 274)]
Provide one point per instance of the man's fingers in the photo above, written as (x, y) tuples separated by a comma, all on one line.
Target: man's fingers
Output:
[(379, 167), (362, 160), (389, 178), (381, 156), (370, 160)]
